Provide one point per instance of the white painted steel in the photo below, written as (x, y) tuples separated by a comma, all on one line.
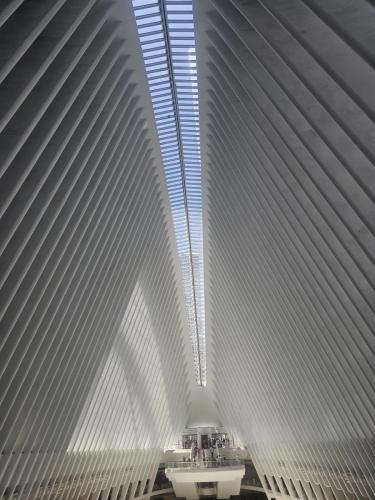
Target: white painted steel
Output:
[(287, 124), (95, 368), (95, 364)]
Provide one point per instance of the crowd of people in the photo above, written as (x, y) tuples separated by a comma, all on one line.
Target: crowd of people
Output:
[(210, 449), (206, 453)]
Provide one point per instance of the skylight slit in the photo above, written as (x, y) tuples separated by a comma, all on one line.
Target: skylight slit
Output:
[(166, 31)]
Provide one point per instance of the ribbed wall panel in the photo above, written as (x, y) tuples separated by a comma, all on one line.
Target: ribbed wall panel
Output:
[(94, 372), (287, 119)]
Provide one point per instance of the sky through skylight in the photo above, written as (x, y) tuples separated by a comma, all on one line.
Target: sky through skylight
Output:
[(166, 33)]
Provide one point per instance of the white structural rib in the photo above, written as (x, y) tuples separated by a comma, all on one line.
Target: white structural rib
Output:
[(92, 387), (288, 142), (166, 33)]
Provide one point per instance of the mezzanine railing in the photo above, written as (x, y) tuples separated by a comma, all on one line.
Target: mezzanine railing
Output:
[(204, 464)]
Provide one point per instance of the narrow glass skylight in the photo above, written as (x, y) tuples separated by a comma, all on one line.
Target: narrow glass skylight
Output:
[(166, 33)]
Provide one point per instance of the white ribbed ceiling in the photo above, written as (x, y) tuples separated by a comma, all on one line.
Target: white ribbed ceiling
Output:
[(96, 370), (288, 152)]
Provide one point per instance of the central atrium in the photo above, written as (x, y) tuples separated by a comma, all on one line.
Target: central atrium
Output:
[(187, 250)]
